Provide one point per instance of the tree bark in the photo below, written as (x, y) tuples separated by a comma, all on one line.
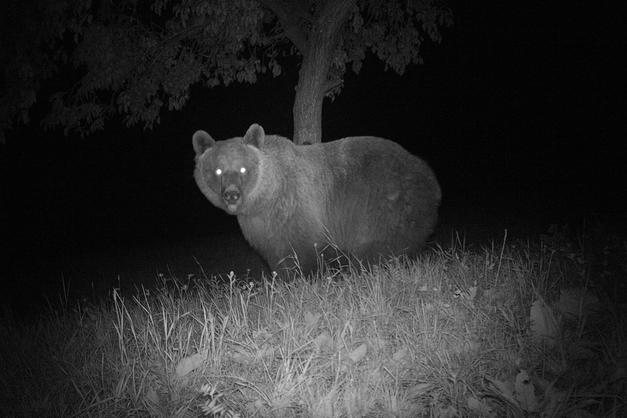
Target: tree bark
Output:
[(316, 36), (307, 110), (313, 78)]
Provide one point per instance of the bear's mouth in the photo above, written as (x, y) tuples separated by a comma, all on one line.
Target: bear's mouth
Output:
[(232, 197)]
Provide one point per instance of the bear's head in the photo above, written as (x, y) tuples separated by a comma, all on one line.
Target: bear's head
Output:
[(228, 171)]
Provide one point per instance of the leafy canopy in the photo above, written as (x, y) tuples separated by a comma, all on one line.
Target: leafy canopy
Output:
[(138, 58)]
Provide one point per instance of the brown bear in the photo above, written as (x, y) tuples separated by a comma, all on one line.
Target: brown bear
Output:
[(365, 196)]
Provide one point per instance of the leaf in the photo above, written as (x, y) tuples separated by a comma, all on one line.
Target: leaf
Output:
[(473, 403), (261, 336), (505, 390), (418, 390), (358, 353), (240, 355), (152, 396), (324, 407), (323, 342), (402, 355), (542, 323), (189, 364), (480, 407), (377, 343), (265, 352), (311, 320), (525, 393), (447, 412), (471, 293), (152, 403)]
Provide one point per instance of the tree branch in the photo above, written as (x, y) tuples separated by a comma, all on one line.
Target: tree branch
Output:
[(332, 84), (332, 15), (294, 17)]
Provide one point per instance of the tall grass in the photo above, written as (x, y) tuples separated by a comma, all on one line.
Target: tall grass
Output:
[(512, 329)]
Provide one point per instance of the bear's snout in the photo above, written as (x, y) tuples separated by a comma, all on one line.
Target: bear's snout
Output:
[(231, 195)]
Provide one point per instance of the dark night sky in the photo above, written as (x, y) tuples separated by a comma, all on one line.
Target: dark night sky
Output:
[(519, 111)]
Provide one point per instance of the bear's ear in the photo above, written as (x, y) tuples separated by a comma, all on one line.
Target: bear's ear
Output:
[(202, 140), (254, 136)]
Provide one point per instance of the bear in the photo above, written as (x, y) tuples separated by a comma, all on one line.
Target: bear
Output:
[(365, 196)]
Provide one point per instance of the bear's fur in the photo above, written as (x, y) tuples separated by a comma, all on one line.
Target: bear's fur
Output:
[(366, 196)]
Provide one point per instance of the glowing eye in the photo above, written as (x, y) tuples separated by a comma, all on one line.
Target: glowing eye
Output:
[(242, 170), (218, 172)]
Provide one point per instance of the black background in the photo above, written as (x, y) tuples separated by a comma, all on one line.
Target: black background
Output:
[(520, 111)]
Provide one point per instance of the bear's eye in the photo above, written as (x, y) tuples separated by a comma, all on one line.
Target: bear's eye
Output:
[(218, 172), (242, 170)]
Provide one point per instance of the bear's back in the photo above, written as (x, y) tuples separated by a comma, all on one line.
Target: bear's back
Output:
[(368, 196), (380, 198)]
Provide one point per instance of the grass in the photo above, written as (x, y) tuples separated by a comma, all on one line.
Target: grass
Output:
[(510, 330)]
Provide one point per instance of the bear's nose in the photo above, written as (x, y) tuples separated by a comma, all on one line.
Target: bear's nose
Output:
[(231, 196)]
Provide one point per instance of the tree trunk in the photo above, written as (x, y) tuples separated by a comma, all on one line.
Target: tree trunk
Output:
[(313, 77), (310, 90)]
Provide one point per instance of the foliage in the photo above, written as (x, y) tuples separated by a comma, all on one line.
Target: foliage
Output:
[(137, 58)]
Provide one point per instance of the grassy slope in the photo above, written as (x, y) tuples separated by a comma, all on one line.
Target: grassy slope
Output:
[(512, 329)]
